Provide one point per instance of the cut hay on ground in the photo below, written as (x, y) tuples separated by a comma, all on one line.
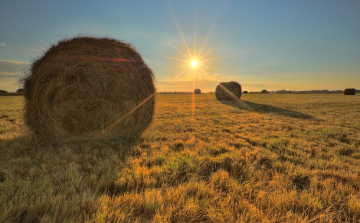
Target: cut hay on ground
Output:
[(228, 91), (89, 88)]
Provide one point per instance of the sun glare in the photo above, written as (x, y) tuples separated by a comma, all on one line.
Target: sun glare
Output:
[(196, 60), (194, 63)]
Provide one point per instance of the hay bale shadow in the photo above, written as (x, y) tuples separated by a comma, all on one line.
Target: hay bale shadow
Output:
[(69, 171), (266, 109)]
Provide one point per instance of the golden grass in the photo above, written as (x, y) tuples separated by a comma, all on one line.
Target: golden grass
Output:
[(271, 158)]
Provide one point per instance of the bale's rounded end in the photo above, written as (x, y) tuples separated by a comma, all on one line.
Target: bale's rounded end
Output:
[(89, 88), (228, 91)]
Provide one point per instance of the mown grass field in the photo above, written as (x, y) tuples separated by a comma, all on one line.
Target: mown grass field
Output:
[(269, 158)]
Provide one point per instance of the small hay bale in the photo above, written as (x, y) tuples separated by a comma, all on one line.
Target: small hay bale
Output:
[(349, 91), (197, 91), (89, 88), (228, 91)]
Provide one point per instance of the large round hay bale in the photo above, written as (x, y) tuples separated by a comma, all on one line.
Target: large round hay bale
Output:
[(349, 91), (228, 91), (89, 88), (197, 91)]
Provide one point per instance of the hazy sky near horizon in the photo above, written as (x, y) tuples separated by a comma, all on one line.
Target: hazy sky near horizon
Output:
[(263, 44)]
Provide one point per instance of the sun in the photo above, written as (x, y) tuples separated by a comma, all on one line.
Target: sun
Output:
[(196, 60), (194, 63)]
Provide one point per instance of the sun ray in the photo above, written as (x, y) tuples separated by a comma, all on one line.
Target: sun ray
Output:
[(216, 58), (195, 18), (206, 66), (186, 56), (217, 17), (204, 71), (177, 26), (193, 103), (184, 71), (169, 57), (209, 52)]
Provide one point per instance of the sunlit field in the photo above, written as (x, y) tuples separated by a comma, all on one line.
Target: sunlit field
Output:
[(268, 158)]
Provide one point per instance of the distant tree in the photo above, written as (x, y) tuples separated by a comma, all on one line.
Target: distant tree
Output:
[(20, 91), (2, 92), (265, 91), (245, 92)]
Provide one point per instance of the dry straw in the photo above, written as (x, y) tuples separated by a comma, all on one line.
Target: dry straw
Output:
[(89, 88), (228, 91)]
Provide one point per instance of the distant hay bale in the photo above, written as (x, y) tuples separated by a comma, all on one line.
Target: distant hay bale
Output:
[(228, 91), (197, 91), (349, 91), (89, 88)]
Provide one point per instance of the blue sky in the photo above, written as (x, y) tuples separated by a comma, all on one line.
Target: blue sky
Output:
[(263, 44)]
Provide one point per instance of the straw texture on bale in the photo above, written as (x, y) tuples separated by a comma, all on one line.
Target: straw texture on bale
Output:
[(228, 91), (349, 91), (197, 91), (89, 88)]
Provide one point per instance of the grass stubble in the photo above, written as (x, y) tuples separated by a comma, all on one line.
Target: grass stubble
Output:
[(276, 158)]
